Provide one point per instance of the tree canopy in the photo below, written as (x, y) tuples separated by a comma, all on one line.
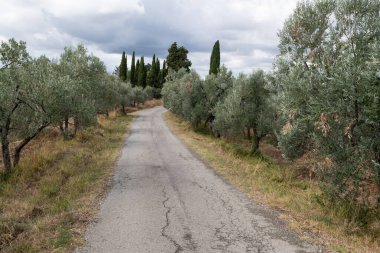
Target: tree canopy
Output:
[(177, 58), (215, 59), (328, 89), (123, 69)]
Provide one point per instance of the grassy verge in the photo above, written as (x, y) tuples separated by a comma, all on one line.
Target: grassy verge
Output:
[(47, 201), (279, 186)]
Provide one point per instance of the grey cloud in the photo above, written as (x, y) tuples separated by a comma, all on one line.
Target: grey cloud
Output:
[(240, 28)]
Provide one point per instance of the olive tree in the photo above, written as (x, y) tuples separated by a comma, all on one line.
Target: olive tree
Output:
[(83, 72), (149, 91), (103, 87), (328, 90), (216, 87), (138, 95), (246, 107), (184, 94), (25, 98), (125, 93), (171, 90), (194, 100)]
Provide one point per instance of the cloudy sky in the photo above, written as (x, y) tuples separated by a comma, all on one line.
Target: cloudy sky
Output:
[(247, 29)]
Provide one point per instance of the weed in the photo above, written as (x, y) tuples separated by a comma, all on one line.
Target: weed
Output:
[(64, 239)]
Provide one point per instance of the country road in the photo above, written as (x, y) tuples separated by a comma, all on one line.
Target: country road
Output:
[(165, 199)]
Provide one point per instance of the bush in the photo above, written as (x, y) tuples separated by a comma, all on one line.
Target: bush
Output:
[(328, 92)]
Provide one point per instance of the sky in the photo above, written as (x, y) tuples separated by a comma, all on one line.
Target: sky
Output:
[(247, 29)]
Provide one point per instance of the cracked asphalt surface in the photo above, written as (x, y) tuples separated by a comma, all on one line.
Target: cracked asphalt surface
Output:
[(166, 199)]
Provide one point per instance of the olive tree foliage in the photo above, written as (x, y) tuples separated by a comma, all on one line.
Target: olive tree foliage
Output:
[(328, 90), (125, 93), (37, 93), (138, 95), (183, 93), (171, 90), (246, 108), (110, 94), (76, 64), (150, 92), (194, 99), (216, 89), (24, 98)]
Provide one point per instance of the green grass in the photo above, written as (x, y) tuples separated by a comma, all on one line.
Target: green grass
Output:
[(47, 201), (340, 225)]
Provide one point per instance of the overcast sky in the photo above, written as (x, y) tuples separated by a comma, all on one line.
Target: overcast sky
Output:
[(247, 29)]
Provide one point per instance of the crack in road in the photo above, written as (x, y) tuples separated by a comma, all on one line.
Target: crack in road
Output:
[(180, 204), (167, 224)]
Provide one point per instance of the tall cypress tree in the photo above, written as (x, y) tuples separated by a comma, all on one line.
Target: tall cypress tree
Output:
[(150, 80), (163, 73), (157, 81), (133, 70), (154, 59), (123, 67), (141, 78), (215, 59), (146, 69), (137, 72)]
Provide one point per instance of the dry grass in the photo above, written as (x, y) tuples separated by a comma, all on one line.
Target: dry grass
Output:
[(279, 185), (47, 201)]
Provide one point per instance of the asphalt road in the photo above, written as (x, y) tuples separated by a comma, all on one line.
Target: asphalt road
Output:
[(165, 199)]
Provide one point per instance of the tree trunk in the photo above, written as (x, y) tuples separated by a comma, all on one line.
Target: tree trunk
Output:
[(5, 142), (18, 149), (76, 125), (64, 129), (377, 167), (66, 124), (256, 142), (209, 119), (378, 183), (5, 150), (249, 133)]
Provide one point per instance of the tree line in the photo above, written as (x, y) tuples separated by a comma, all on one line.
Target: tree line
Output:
[(149, 76), (67, 93), (321, 97)]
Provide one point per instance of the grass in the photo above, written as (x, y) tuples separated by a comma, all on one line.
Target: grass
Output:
[(47, 201), (278, 185)]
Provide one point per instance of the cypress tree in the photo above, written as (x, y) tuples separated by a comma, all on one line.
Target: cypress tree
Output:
[(215, 59), (157, 79), (137, 71), (133, 70), (163, 73), (123, 67), (146, 68), (141, 79), (150, 81), (126, 67)]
